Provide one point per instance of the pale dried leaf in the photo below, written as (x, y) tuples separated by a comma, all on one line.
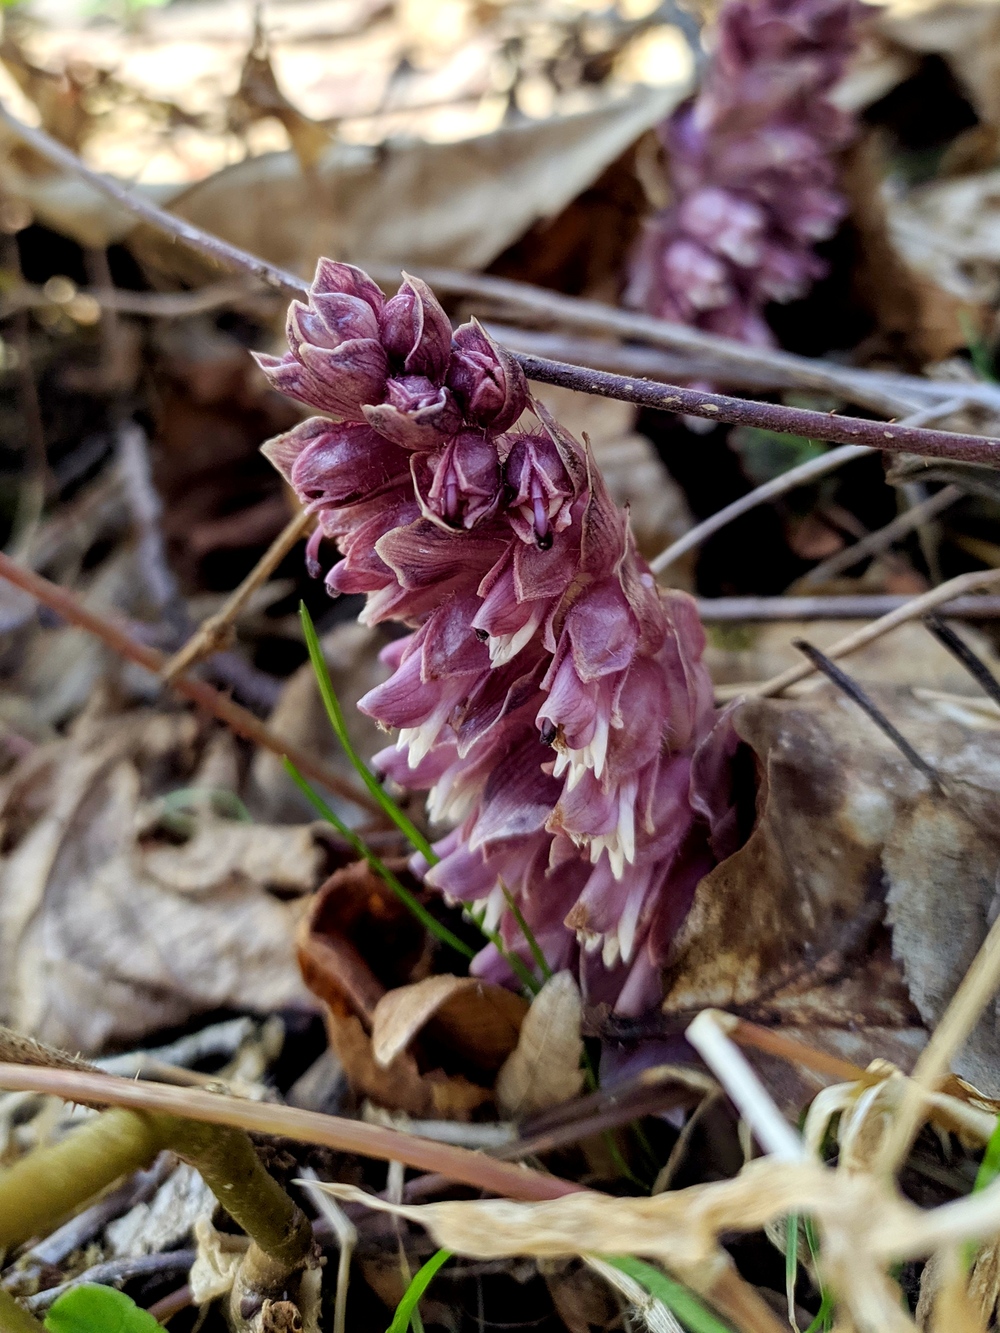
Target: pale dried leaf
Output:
[(545, 1069), (105, 934), (218, 1257), (483, 1019)]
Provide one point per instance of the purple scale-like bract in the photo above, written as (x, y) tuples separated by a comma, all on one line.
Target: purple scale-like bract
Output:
[(550, 699), (752, 170)]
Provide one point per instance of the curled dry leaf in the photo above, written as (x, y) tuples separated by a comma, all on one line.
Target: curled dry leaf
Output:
[(366, 958), (110, 927), (545, 1068), (478, 1020), (869, 894)]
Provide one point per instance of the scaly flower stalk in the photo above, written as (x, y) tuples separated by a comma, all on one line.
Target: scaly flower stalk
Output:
[(550, 697), (752, 169)]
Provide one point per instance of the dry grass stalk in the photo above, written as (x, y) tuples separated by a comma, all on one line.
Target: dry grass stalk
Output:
[(214, 633), (912, 610)]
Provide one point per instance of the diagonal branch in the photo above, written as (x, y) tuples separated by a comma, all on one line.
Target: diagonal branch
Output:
[(240, 720), (351, 1136), (692, 402)]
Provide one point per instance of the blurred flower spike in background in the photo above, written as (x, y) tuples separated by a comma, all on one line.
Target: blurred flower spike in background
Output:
[(752, 168), (550, 699)]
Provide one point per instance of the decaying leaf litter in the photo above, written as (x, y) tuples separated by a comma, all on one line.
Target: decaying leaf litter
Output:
[(810, 867)]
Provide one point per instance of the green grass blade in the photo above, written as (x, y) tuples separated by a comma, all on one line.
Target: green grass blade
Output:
[(516, 965), (824, 1315), (791, 1265), (527, 932), (380, 868), (681, 1302), (335, 713), (406, 1310)]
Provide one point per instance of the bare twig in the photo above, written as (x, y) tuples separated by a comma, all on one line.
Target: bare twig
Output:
[(353, 1136), (115, 1273), (776, 1043), (238, 719), (797, 476), (860, 606), (853, 691), (801, 421), (912, 610), (959, 649), (214, 633), (882, 538), (155, 305), (787, 481), (715, 407)]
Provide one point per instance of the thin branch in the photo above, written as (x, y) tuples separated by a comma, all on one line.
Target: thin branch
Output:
[(115, 1273), (776, 1043), (214, 633), (914, 608), (715, 407), (797, 476), (960, 650), (882, 538), (854, 692), (801, 421), (787, 481), (351, 1136), (238, 719), (860, 606), (629, 359), (153, 305)]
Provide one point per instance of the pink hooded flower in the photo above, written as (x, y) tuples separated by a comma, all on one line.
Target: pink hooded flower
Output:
[(550, 698)]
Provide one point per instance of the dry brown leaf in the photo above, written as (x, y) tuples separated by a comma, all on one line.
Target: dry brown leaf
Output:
[(545, 1067), (357, 946), (417, 203), (107, 932), (868, 896), (478, 1020)]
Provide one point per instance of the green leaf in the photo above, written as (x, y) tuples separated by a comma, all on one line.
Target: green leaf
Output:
[(93, 1309), (381, 869), (335, 713), (682, 1303), (406, 1310)]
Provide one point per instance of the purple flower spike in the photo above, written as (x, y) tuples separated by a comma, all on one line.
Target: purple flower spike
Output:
[(487, 381), (752, 167), (415, 330), (550, 698)]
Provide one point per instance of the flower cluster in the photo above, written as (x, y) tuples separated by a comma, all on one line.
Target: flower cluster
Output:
[(550, 697), (752, 170)]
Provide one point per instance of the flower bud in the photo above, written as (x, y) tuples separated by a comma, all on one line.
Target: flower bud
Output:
[(416, 414), (459, 485), (487, 381), (415, 330), (539, 489)]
